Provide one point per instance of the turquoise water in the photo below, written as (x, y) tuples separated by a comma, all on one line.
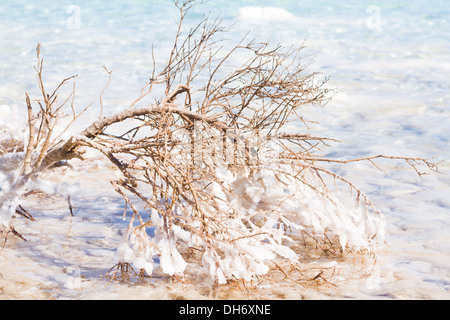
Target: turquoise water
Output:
[(349, 39), (389, 62)]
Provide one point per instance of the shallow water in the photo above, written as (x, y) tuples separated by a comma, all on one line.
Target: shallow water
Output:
[(389, 64)]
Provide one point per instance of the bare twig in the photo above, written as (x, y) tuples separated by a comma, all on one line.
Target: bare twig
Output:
[(218, 169)]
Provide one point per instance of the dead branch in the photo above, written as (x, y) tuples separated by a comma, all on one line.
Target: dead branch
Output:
[(219, 169)]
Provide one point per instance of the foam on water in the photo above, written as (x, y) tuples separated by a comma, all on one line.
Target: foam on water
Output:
[(389, 63), (264, 14)]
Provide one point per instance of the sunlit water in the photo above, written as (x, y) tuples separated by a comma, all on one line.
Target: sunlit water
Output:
[(389, 64)]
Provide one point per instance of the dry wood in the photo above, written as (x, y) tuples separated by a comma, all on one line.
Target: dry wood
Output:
[(170, 155)]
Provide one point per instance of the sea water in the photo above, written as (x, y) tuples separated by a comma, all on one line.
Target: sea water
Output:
[(388, 62)]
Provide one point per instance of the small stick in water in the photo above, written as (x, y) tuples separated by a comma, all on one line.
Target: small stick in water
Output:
[(70, 206)]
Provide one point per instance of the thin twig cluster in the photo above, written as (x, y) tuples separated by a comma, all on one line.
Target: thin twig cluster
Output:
[(222, 159)]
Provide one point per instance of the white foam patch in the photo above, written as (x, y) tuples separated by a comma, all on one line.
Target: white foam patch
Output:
[(264, 14)]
